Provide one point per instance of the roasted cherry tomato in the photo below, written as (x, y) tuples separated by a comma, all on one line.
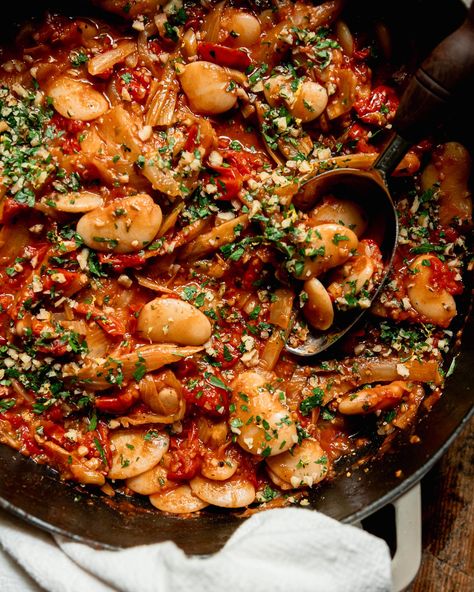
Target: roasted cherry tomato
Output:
[(208, 395), (136, 82), (110, 324), (228, 181), (184, 455), (244, 161), (121, 261), (380, 108), (443, 278), (224, 56), (117, 403)]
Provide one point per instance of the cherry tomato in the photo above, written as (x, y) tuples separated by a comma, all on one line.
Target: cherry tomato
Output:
[(252, 273), (121, 261), (206, 395), (71, 129), (245, 162), (136, 82), (226, 354), (228, 180), (443, 278), (54, 431), (185, 457), (117, 403), (224, 56), (192, 141), (379, 108), (68, 280), (29, 441), (110, 324), (185, 368)]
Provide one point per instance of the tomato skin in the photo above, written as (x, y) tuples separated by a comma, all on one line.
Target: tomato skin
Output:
[(136, 82), (192, 141), (70, 128), (228, 180), (245, 162), (252, 273), (379, 108), (54, 432), (361, 54), (11, 208), (443, 278), (185, 457), (226, 354), (224, 56), (110, 324), (56, 348), (24, 431), (333, 438), (122, 261), (360, 134), (119, 403), (71, 278), (29, 442), (208, 398), (186, 368)]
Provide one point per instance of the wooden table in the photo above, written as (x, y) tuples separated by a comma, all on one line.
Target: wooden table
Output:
[(448, 521)]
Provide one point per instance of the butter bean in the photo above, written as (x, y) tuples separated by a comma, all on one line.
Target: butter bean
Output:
[(169, 320)]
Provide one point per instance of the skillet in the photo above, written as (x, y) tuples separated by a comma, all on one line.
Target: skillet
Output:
[(34, 492)]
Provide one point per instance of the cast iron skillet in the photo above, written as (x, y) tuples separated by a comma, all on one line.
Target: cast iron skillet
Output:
[(34, 492)]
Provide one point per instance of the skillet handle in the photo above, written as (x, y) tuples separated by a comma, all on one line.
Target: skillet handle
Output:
[(407, 559), (446, 72)]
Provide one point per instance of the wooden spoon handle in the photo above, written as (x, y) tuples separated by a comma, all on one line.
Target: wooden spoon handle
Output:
[(446, 72)]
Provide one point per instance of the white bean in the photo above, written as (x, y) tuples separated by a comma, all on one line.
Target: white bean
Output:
[(277, 89), (218, 468), (352, 277), (77, 202), (302, 466), (208, 88), (311, 100), (212, 433), (123, 226), (340, 211), (332, 245), (244, 28), (436, 305), (306, 102), (135, 451), (75, 99), (179, 500), (169, 320), (318, 309), (233, 493), (149, 482), (261, 420)]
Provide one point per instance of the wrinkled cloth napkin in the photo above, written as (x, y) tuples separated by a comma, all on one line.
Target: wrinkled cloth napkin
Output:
[(285, 550)]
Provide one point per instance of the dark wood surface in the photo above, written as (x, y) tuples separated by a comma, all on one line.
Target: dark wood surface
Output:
[(448, 521)]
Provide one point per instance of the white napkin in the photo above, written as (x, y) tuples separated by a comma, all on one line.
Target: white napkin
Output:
[(278, 550)]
